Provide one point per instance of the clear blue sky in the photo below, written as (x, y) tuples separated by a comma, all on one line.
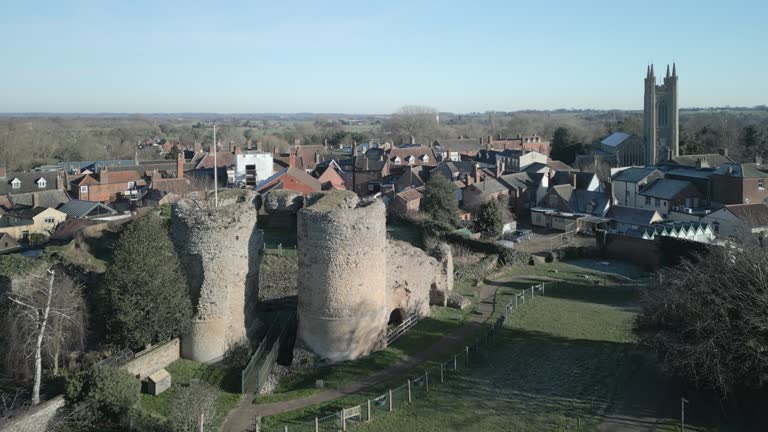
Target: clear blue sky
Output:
[(373, 57)]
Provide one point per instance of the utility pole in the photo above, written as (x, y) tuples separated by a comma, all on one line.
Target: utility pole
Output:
[(215, 169), (683, 401)]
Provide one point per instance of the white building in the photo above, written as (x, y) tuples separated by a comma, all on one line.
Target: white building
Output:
[(251, 167)]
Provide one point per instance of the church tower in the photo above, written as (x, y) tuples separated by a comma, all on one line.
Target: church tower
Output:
[(660, 117)]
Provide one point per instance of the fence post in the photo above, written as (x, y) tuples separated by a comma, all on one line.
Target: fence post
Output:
[(390, 400), (455, 363), (442, 379), (516, 296), (317, 425), (426, 380), (542, 288), (532, 293), (466, 353), (286, 428), (409, 390), (369, 410), (343, 421)]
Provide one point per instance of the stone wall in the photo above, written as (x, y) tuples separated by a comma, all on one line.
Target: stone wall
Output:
[(414, 278), (37, 419), (156, 358), (342, 302), (219, 251)]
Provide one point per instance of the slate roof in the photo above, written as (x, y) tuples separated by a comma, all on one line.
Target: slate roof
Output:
[(460, 145), (48, 198), (630, 215), (753, 215), (559, 166), (521, 180), (615, 139), (80, 208), (583, 179), (634, 174), (223, 160), (714, 159), (28, 182), (490, 185), (665, 188), (747, 170), (411, 194), (416, 152), (25, 212)]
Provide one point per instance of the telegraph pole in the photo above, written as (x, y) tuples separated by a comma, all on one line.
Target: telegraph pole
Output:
[(215, 169)]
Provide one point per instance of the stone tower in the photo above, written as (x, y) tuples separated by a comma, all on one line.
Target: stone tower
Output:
[(660, 117), (342, 288), (219, 252)]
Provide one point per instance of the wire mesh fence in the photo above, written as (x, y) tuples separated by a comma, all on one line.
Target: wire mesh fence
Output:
[(417, 387)]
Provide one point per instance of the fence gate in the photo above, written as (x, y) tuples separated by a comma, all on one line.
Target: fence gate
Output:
[(350, 413)]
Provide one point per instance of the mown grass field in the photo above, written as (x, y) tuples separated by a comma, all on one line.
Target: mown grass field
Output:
[(555, 364)]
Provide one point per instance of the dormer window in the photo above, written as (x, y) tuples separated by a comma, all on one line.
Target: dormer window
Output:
[(16, 183), (41, 183), (411, 159), (397, 160), (425, 158)]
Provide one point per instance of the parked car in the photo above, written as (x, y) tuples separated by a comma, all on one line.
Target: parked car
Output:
[(520, 235)]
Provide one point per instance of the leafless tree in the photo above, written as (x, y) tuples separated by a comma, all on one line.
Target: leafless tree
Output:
[(192, 407), (419, 122), (10, 404), (46, 315), (708, 318)]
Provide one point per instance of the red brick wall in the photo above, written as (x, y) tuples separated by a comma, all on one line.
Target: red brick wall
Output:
[(737, 190), (102, 193)]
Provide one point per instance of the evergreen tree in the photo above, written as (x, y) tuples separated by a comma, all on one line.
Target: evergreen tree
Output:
[(490, 219), (440, 200), (565, 147), (147, 295)]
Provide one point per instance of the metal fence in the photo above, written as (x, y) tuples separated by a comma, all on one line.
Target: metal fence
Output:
[(279, 249), (400, 330), (418, 386), (255, 374)]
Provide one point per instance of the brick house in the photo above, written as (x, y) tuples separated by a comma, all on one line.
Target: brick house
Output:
[(107, 186), (665, 195), (740, 183), (407, 202)]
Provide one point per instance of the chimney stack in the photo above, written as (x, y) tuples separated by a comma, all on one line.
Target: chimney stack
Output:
[(758, 159), (292, 158), (59, 178), (237, 150), (499, 168), (198, 147), (35, 200), (723, 152), (249, 144), (179, 165), (476, 172), (297, 142), (2, 172), (104, 176), (413, 140)]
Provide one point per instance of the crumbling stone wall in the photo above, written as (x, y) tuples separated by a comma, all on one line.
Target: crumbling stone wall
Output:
[(415, 280), (219, 251), (342, 281)]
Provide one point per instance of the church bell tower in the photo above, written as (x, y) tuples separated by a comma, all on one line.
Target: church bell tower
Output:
[(660, 117)]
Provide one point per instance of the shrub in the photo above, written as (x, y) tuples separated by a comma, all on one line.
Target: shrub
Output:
[(113, 392), (238, 354), (510, 257)]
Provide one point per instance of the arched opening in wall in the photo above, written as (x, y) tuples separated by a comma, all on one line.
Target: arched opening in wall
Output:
[(396, 317)]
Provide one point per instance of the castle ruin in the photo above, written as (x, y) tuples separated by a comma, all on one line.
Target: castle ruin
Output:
[(353, 281), (218, 249)]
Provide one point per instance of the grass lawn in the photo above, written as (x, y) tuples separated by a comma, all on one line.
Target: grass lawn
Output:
[(555, 364), (424, 334), (226, 381)]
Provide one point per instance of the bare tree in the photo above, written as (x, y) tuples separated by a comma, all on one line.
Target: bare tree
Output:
[(415, 121), (46, 314), (708, 317), (11, 404), (192, 407)]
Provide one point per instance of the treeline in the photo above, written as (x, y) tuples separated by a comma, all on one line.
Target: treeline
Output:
[(29, 142)]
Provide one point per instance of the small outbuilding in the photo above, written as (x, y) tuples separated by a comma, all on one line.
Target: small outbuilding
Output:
[(158, 382)]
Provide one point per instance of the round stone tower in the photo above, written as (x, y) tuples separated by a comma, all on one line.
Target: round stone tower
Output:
[(218, 249), (342, 275)]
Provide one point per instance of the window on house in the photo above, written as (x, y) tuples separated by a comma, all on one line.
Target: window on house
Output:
[(131, 185), (41, 183), (647, 200), (397, 160), (83, 189), (657, 202), (16, 184), (49, 220), (761, 183)]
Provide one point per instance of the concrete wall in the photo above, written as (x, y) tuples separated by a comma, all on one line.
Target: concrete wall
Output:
[(635, 250), (219, 250), (37, 419), (342, 276), (158, 357)]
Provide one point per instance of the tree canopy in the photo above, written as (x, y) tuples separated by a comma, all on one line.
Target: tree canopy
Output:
[(440, 200), (708, 319), (147, 295), (490, 220)]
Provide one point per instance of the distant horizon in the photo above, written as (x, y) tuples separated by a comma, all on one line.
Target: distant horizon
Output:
[(89, 56), (759, 107)]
